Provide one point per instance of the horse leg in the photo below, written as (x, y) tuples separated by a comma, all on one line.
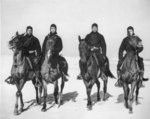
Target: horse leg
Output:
[(45, 95), (137, 92), (16, 104), (133, 85), (22, 104), (98, 90), (56, 91), (126, 94), (36, 90), (61, 91), (40, 93), (89, 86), (105, 88), (21, 96)]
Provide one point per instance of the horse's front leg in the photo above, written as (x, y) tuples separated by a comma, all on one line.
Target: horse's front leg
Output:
[(133, 85), (126, 94), (16, 104), (19, 94), (37, 90), (98, 90), (40, 95), (56, 91), (45, 96), (22, 82), (89, 86)]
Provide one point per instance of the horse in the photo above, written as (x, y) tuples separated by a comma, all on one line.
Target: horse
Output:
[(53, 74), (92, 73), (130, 75), (21, 72)]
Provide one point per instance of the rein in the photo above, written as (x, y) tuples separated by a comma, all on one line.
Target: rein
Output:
[(16, 64)]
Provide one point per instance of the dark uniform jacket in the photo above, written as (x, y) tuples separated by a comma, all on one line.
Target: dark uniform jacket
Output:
[(125, 46), (96, 40), (58, 44), (31, 44), (31, 48)]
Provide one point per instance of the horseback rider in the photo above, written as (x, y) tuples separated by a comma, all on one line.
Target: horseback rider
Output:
[(97, 45), (31, 49), (57, 48), (125, 46)]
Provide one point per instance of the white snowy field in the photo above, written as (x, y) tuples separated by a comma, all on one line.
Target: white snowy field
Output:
[(74, 97)]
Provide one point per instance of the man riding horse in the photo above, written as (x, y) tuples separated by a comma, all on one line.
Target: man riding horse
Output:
[(56, 58), (124, 48), (97, 43), (31, 48)]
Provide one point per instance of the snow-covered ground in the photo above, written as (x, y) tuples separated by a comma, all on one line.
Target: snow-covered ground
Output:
[(74, 97)]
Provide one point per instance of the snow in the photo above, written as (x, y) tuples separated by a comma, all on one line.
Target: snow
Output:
[(74, 97)]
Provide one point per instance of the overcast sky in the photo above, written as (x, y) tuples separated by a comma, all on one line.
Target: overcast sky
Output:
[(74, 17)]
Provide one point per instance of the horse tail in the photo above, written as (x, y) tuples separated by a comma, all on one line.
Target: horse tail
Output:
[(66, 69), (109, 73), (64, 65)]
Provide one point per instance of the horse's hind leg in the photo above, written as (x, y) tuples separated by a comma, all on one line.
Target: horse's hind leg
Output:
[(133, 85), (98, 90), (137, 92), (126, 94), (45, 96), (56, 91), (105, 87)]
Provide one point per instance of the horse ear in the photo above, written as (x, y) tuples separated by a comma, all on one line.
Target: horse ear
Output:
[(79, 38), (17, 33)]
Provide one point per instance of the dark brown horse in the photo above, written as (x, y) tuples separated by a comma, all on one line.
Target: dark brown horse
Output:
[(130, 74), (52, 74), (21, 72), (92, 72)]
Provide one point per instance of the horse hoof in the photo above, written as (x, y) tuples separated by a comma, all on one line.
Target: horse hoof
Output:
[(98, 99), (127, 106), (16, 113), (43, 110), (104, 99), (89, 107), (60, 102), (137, 103), (21, 110), (39, 102), (130, 112)]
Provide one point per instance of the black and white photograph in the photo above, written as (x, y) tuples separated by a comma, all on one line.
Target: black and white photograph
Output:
[(75, 59)]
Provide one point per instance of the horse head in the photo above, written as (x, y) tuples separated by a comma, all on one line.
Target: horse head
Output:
[(84, 49), (14, 42), (133, 42), (50, 47)]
